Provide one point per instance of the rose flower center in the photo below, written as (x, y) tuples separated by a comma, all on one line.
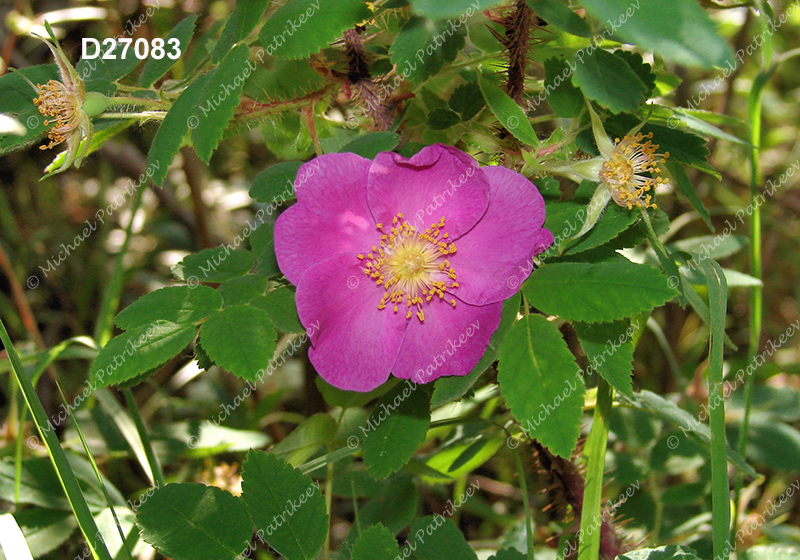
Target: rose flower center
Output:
[(412, 266)]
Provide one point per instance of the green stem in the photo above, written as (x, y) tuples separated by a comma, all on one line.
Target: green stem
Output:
[(523, 487), (595, 451), (720, 485), (144, 102), (108, 307), (152, 458)]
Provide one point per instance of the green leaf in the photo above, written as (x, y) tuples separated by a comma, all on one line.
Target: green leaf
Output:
[(396, 505), (565, 99), (155, 68), (671, 552), (686, 187), (287, 79), (276, 181), (415, 50), (609, 349), (175, 125), (466, 100), (281, 307), (243, 289), (396, 428), (178, 304), (139, 350), (442, 119), (17, 96), (246, 354), (191, 521), (613, 221), (597, 292), (219, 99), (375, 543), (216, 265), (272, 490), (556, 13), (640, 67), (508, 554), (679, 30), (371, 144), (510, 115), (349, 399), (306, 439), (45, 529), (242, 21), (302, 27), (451, 388), (458, 10), (436, 538), (99, 74), (608, 80), (542, 383)]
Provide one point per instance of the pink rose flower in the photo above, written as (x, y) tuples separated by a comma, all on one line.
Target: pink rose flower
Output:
[(404, 263)]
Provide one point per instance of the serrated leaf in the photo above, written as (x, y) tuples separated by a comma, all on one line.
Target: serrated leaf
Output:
[(138, 350), (306, 439), (508, 554), (679, 30), (282, 309), (455, 9), (194, 522), (451, 388), (542, 383), (243, 289), (247, 354), (246, 15), (155, 68), (370, 145), (671, 552), (597, 292), (510, 115), (216, 265), (271, 490), (436, 537), (415, 50), (396, 428), (303, 27), (287, 79), (219, 99), (175, 125), (276, 182), (565, 99), (556, 13), (395, 506), (613, 221), (442, 119), (641, 68), (178, 304), (608, 80), (17, 96), (375, 543), (609, 350), (99, 74), (467, 100)]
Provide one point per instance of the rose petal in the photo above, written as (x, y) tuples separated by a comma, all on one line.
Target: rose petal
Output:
[(331, 216), (354, 342), (495, 256), (438, 181), (450, 341)]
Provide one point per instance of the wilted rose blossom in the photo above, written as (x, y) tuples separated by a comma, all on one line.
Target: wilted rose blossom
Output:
[(405, 262)]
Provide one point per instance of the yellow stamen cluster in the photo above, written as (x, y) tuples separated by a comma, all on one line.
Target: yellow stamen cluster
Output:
[(55, 100), (412, 266), (623, 172)]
